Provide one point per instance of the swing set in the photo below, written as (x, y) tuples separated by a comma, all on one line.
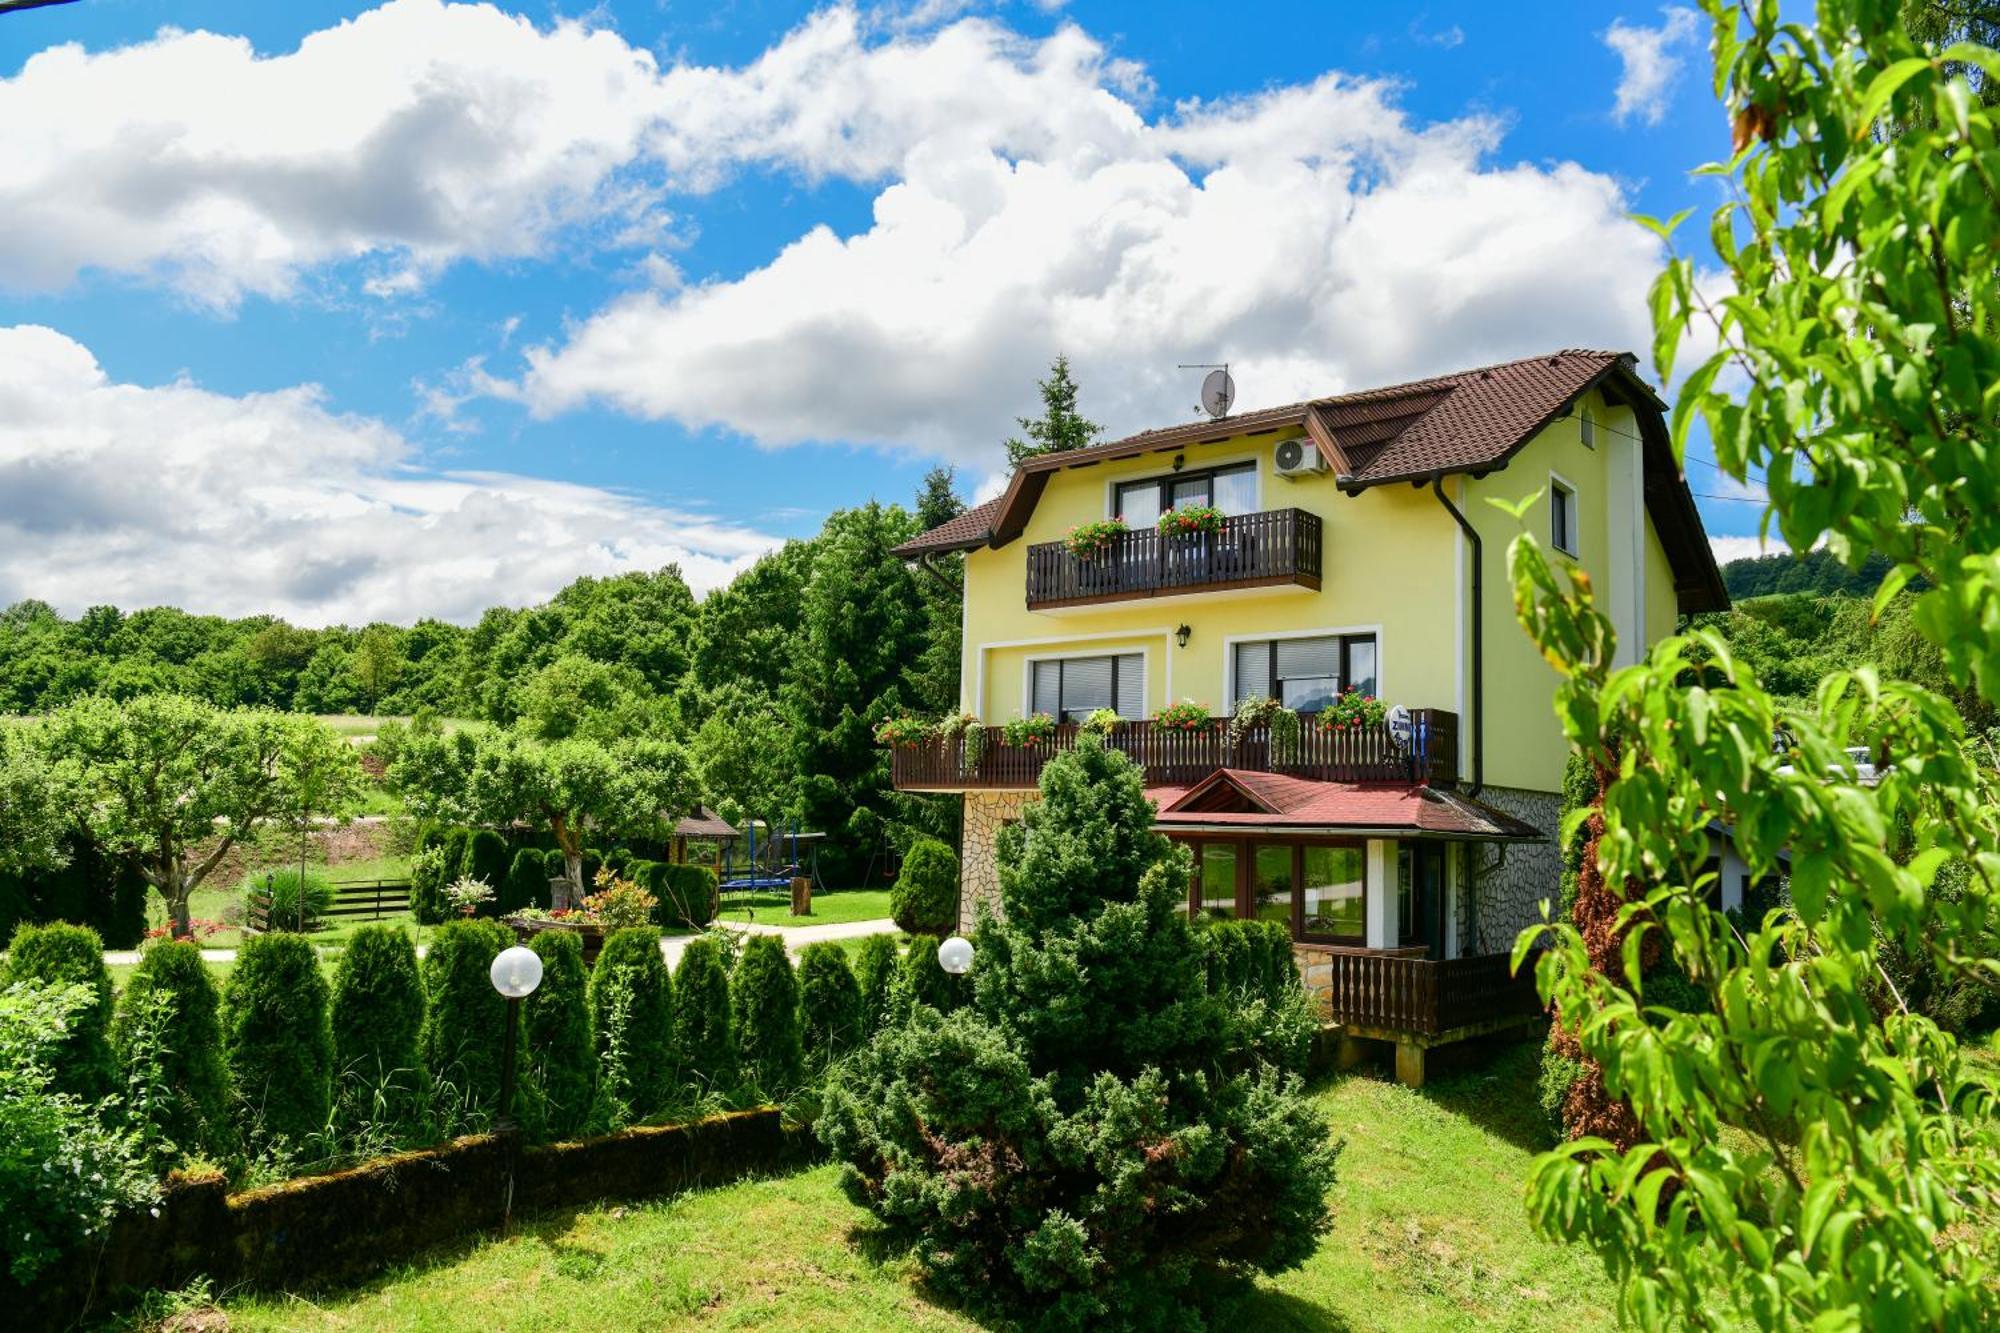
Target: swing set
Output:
[(784, 859)]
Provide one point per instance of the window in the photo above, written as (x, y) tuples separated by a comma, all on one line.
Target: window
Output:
[(1233, 490), (1562, 517), (1072, 688), (1335, 891), (1271, 883), (1419, 895), (1587, 425), (1304, 674), (1215, 881)]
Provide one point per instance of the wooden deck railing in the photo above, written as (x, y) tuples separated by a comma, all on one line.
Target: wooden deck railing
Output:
[(1426, 996), (1178, 758), (1252, 550)]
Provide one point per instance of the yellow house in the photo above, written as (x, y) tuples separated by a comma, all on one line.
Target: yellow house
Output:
[(1354, 552)]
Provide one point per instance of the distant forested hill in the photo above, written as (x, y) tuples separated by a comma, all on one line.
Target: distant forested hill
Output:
[(1814, 572)]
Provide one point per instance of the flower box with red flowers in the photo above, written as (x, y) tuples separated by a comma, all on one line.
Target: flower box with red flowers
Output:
[(1352, 710), (1193, 520), (1187, 715)]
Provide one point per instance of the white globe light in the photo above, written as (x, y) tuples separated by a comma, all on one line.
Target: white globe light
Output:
[(955, 955), (516, 972)]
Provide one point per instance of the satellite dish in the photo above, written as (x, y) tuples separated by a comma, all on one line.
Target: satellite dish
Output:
[(1218, 391), (1400, 728)]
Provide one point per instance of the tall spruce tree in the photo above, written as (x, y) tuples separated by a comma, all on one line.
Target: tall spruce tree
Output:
[(1059, 428), (1085, 1144)]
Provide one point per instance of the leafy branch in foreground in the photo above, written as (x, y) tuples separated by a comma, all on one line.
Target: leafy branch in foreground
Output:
[(1801, 1157)]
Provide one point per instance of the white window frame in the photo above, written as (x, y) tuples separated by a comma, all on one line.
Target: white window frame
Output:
[(1111, 484), (1229, 643), (1145, 673), (1574, 548)]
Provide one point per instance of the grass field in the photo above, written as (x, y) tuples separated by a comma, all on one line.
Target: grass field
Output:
[(1428, 1233), (775, 908)]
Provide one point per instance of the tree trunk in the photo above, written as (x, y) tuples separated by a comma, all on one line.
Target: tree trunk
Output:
[(177, 907)]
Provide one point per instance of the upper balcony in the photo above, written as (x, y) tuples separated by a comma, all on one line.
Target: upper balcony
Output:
[(1364, 754), (1279, 547)]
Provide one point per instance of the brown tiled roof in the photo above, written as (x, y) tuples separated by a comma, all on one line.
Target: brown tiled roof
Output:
[(1297, 804), (972, 528), (705, 823), (1469, 421)]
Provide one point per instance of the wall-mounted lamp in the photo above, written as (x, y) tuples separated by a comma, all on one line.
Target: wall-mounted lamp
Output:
[(1179, 460), (1181, 635)]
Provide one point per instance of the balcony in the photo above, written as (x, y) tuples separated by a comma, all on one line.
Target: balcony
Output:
[(1174, 757), (1276, 548)]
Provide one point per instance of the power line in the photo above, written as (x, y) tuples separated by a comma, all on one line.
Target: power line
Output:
[(1735, 499)]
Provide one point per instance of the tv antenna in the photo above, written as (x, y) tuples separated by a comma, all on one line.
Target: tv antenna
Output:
[(1218, 390)]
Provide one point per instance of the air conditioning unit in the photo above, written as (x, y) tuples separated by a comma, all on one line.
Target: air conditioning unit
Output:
[(1297, 458)]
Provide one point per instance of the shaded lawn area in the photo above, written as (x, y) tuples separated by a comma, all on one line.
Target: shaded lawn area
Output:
[(1429, 1233), (774, 908)]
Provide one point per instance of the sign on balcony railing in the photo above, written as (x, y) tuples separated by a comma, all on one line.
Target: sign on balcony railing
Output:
[(1174, 756), (1272, 547)]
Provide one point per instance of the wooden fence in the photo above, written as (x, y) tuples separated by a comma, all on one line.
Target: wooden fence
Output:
[(1425, 996), (370, 898)]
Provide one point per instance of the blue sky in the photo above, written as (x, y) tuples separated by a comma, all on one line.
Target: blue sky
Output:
[(450, 304)]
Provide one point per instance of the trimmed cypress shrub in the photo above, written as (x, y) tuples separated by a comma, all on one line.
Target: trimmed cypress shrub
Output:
[(427, 880), (875, 973), (920, 981), (464, 1020), (829, 1005), (168, 1037), (486, 859), (925, 899), (90, 889), (593, 861), (764, 997), (631, 1019), (457, 853), (276, 1039), (527, 883), (378, 1024), (688, 895), (704, 1042), (64, 955), (559, 1065)]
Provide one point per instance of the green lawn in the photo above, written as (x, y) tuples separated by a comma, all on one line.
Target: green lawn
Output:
[(1428, 1233), (774, 908)]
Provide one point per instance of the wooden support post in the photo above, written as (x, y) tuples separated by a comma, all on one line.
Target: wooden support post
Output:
[(1409, 1064), (802, 897)]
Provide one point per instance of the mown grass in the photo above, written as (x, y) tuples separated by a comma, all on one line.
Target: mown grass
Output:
[(1428, 1233), (774, 908)]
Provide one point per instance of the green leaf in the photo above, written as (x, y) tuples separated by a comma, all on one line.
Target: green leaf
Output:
[(1663, 230), (1876, 99)]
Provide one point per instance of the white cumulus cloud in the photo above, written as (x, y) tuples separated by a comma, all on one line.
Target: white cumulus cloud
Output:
[(416, 134), (1026, 203), (1649, 60), (270, 502)]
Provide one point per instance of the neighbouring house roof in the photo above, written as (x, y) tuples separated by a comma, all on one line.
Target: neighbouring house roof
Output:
[(705, 823), (1471, 421), (1231, 800)]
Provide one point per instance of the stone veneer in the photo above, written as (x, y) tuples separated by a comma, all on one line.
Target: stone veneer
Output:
[(1512, 879), (986, 813)]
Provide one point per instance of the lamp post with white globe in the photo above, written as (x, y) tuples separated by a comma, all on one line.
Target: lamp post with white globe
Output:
[(515, 974), (955, 955)]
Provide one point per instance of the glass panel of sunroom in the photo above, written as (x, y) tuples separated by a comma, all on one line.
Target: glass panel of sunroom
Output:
[(1218, 880), (1271, 882), (1335, 892)]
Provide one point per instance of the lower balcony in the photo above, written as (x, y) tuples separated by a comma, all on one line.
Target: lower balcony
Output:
[(1173, 756)]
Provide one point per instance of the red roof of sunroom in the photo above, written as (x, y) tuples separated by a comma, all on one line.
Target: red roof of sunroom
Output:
[(1278, 803)]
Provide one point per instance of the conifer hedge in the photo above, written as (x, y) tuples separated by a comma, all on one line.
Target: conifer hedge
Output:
[(457, 854), (631, 1017), (276, 1040), (921, 982), (527, 883), (560, 1064), (464, 1018), (704, 1040), (875, 973), (65, 955), (830, 1023), (764, 998), (487, 860), (378, 1023), (168, 1038), (688, 895)]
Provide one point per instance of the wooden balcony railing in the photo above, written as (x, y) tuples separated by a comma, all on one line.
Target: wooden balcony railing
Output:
[(1175, 757), (1276, 547), (1421, 995)]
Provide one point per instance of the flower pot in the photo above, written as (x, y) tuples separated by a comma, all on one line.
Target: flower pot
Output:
[(590, 933)]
